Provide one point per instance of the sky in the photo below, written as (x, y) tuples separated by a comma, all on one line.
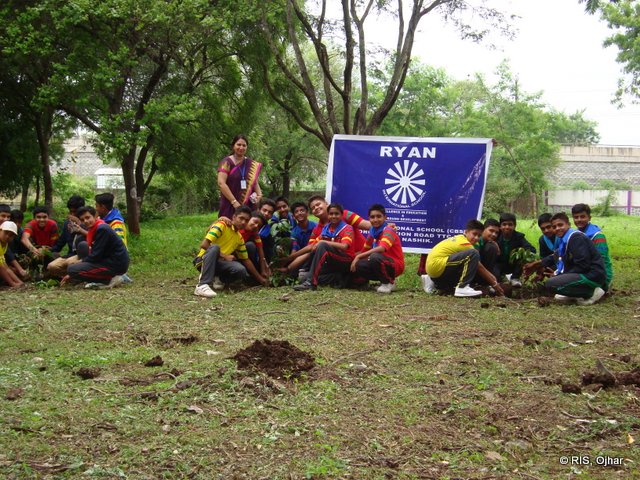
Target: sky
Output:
[(557, 51)]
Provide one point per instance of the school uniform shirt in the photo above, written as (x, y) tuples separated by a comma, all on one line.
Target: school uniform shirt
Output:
[(517, 240), (547, 245), (343, 235), (581, 257), (437, 259), (106, 248), (251, 237), (43, 237), (116, 221), (350, 218), (390, 241), (3, 251), (301, 235), (600, 242), (228, 239)]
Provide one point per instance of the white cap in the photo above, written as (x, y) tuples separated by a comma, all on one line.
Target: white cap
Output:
[(9, 227)]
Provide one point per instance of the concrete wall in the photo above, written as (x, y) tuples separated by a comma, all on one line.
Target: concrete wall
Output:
[(625, 201), (596, 163), (80, 158)]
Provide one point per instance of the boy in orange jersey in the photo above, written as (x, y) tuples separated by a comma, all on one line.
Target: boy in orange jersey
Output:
[(381, 258), (331, 253)]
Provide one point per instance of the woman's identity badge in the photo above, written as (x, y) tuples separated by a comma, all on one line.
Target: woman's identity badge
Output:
[(243, 184)]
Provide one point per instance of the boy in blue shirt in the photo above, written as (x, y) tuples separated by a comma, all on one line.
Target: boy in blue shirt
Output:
[(581, 214), (580, 274), (547, 241), (301, 232), (267, 207)]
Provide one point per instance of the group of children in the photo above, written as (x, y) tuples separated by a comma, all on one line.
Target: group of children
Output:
[(95, 238), (574, 263), (342, 249), (332, 251)]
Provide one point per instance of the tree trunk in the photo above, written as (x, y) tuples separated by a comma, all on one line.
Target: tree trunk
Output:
[(43, 132), (133, 201), (37, 200), (24, 195), (286, 174)]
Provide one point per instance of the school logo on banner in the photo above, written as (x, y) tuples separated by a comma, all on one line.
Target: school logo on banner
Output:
[(405, 184), (430, 187)]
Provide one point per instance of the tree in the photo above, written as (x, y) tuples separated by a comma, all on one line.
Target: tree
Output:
[(133, 68), (527, 133), (342, 103), (290, 152), (27, 65), (624, 17)]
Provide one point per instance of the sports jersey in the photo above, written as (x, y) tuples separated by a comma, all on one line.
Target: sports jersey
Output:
[(437, 259), (254, 237), (341, 233), (3, 250), (600, 242), (350, 218), (116, 221), (46, 236), (390, 241), (228, 239)]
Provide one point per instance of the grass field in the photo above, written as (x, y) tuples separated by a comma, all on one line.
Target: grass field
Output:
[(405, 385)]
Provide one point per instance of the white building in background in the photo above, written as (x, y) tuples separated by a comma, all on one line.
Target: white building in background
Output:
[(80, 159), (109, 178)]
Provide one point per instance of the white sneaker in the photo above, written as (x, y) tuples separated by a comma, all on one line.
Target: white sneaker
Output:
[(116, 281), (386, 288), (302, 275), (427, 284), (598, 293), (204, 290), (466, 292), (95, 285), (515, 282), (563, 299), (217, 284)]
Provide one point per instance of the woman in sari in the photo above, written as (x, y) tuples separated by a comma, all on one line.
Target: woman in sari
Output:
[(238, 179)]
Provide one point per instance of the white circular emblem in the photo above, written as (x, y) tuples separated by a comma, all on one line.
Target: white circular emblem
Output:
[(405, 184)]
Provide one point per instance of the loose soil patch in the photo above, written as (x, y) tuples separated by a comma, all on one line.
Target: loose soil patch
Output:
[(275, 358), (610, 379)]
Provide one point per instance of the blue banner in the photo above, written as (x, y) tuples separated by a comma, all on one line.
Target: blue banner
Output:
[(430, 187)]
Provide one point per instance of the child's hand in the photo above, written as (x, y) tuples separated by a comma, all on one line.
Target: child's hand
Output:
[(353, 264), (225, 220)]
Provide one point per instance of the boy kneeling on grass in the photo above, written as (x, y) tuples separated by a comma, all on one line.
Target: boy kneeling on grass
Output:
[(580, 272), (223, 254), (381, 258), (8, 231), (108, 258), (454, 262)]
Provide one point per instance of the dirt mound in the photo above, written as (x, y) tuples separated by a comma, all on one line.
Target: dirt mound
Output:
[(276, 358), (610, 379)]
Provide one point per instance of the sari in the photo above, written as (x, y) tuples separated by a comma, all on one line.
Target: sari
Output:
[(249, 170)]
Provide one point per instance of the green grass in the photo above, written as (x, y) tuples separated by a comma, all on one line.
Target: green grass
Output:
[(407, 386)]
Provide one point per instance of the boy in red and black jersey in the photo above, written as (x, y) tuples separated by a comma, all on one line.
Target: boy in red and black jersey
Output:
[(381, 258)]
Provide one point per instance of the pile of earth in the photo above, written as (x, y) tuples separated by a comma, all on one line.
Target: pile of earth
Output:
[(275, 358)]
